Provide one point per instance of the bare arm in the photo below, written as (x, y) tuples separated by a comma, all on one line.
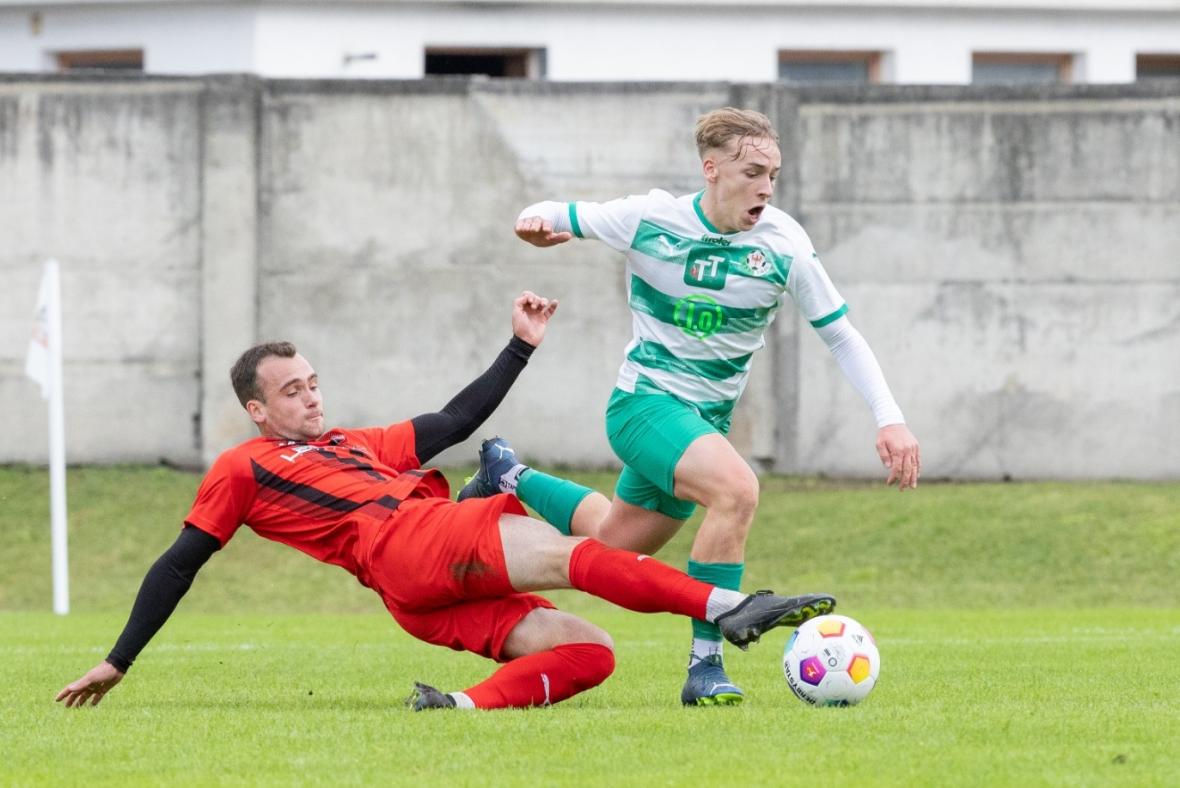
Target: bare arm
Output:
[(162, 589)]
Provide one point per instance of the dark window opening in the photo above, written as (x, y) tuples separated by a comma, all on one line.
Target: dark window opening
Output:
[(1157, 67), (101, 60), (830, 67), (1007, 68), (524, 63)]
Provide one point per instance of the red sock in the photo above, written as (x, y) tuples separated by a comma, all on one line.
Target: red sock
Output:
[(636, 582), (545, 677)]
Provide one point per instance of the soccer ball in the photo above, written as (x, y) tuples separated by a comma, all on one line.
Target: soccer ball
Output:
[(831, 661)]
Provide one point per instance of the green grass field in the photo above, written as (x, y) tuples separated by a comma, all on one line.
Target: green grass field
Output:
[(1028, 633)]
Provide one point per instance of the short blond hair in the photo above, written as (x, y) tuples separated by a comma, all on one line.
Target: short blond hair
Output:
[(715, 129)]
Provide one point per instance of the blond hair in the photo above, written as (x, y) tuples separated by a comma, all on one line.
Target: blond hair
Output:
[(715, 129)]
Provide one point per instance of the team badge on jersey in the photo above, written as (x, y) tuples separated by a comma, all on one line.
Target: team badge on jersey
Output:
[(758, 263)]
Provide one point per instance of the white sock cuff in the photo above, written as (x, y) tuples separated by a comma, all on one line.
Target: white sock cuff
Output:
[(722, 600), (702, 648), (462, 701)]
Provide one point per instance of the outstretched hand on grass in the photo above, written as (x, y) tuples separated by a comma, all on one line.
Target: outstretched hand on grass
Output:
[(530, 316), (97, 682)]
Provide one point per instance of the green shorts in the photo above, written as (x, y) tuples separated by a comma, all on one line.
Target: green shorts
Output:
[(649, 433)]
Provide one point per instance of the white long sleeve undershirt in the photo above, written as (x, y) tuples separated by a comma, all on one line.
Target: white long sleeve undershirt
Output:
[(556, 213), (860, 366)]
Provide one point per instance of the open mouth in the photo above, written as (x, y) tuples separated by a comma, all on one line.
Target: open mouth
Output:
[(756, 212)]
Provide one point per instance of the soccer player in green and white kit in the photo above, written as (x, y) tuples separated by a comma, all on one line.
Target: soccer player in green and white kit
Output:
[(706, 275)]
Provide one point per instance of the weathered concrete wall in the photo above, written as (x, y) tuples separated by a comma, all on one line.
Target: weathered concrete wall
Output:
[(105, 176), (1017, 257), (1013, 258)]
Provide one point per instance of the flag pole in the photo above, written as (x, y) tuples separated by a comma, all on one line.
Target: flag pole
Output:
[(57, 446)]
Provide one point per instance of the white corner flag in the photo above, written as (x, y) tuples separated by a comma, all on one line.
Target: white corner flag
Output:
[(37, 362), (43, 365)]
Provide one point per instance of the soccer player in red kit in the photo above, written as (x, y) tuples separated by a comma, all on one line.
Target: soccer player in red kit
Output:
[(452, 574)]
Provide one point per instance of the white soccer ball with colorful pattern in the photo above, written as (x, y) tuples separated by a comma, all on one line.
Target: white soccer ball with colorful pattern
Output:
[(831, 661)]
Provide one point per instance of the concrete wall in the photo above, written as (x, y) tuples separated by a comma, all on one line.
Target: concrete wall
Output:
[(107, 178), (1018, 257), (1013, 258)]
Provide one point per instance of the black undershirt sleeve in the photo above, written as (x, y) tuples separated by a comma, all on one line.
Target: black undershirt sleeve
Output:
[(163, 586), (460, 417)]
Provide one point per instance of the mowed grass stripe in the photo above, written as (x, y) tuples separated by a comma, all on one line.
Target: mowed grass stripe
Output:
[(318, 701), (945, 545)]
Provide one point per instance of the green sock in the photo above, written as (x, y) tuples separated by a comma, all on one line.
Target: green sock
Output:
[(721, 575), (554, 499)]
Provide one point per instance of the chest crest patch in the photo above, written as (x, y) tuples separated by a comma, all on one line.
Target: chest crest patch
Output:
[(758, 263)]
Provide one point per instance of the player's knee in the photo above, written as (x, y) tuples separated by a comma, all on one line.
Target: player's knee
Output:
[(598, 664), (589, 664), (579, 630), (737, 493), (748, 491), (544, 629), (537, 556)]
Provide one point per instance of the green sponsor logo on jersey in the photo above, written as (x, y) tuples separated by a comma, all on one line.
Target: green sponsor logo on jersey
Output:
[(699, 315), (706, 268)]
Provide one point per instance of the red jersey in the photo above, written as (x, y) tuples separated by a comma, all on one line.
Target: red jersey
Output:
[(328, 498)]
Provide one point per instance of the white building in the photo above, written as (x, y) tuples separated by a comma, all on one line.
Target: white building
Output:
[(888, 41)]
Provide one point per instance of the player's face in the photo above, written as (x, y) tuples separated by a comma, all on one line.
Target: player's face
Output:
[(292, 406), (740, 180)]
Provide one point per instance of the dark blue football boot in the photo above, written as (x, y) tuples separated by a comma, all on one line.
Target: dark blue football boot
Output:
[(498, 471), (707, 685)]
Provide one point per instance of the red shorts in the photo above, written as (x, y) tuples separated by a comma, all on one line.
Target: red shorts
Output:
[(440, 570)]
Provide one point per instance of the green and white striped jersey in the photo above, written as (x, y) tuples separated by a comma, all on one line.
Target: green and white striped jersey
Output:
[(701, 300)]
